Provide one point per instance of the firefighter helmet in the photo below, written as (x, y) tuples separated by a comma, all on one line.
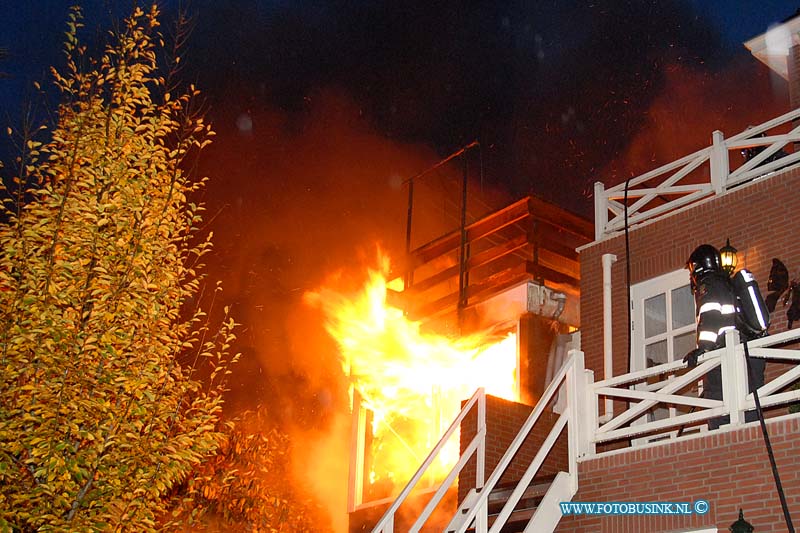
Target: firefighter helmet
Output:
[(703, 260)]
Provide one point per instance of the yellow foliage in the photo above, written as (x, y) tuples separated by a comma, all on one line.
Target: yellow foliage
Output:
[(101, 413), (246, 486)]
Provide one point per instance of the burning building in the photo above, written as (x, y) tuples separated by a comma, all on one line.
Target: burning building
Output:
[(493, 304), (621, 420)]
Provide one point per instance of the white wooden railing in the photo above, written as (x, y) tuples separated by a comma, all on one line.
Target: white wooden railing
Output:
[(476, 447), (675, 386), (697, 176), (573, 380), (670, 385)]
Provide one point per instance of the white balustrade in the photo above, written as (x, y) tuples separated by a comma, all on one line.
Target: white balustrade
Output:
[(697, 176)]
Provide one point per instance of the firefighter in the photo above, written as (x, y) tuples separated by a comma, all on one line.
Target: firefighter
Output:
[(715, 302), (716, 308)]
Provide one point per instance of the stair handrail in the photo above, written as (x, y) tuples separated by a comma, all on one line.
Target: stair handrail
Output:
[(573, 371), (476, 446)]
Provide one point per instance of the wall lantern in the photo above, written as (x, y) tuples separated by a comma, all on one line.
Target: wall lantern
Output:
[(729, 259), (741, 525)]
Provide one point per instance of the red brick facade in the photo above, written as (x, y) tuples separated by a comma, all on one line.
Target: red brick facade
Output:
[(729, 469)]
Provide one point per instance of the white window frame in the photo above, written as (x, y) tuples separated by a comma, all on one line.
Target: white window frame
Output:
[(643, 291), (640, 292)]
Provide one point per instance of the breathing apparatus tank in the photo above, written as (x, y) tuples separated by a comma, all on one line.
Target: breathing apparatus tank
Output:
[(752, 315)]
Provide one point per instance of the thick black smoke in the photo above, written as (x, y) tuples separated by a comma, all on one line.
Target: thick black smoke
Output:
[(324, 107), (553, 90)]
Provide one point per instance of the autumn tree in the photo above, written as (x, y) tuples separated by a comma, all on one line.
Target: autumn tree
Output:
[(247, 485), (102, 407)]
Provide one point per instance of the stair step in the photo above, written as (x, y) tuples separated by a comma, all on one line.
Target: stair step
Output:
[(526, 506), (516, 521), (535, 491)]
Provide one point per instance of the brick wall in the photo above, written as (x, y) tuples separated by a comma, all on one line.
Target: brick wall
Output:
[(503, 421), (730, 469), (761, 220)]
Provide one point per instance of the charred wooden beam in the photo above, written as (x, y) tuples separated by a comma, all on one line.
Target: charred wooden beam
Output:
[(482, 259), (486, 226)]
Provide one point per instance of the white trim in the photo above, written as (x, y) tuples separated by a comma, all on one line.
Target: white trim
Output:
[(675, 380), (642, 291), (684, 438), (645, 223), (685, 196), (608, 352), (775, 58), (660, 285)]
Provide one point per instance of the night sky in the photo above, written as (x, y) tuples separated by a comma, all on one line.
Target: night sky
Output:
[(556, 91), (323, 108)]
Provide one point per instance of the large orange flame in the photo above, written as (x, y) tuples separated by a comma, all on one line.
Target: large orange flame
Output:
[(412, 382)]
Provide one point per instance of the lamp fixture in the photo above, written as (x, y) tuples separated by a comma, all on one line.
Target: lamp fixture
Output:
[(741, 525), (728, 255)]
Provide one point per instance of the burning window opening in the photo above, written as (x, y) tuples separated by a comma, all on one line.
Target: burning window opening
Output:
[(410, 382), (509, 307)]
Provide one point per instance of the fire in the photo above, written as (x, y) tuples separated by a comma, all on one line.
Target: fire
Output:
[(412, 382)]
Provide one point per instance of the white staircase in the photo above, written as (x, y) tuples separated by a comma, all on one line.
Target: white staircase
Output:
[(532, 504), (547, 493)]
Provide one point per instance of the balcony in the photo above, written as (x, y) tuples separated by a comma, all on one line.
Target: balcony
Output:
[(698, 177)]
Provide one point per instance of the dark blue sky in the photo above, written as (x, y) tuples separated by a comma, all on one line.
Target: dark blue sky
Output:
[(739, 20), (32, 29)]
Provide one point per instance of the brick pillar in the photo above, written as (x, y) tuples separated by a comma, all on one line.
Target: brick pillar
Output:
[(793, 72), (534, 338)]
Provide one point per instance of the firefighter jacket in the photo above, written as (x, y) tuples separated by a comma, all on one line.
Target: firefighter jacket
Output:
[(715, 303)]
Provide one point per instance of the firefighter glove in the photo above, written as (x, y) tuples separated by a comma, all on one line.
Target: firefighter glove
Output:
[(691, 358)]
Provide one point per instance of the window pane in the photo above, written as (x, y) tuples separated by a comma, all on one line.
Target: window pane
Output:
[(655, 313), (656, 353), (683, 344), (682, 307)]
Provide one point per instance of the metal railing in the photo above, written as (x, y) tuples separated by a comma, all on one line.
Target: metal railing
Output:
[(696, 176)]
